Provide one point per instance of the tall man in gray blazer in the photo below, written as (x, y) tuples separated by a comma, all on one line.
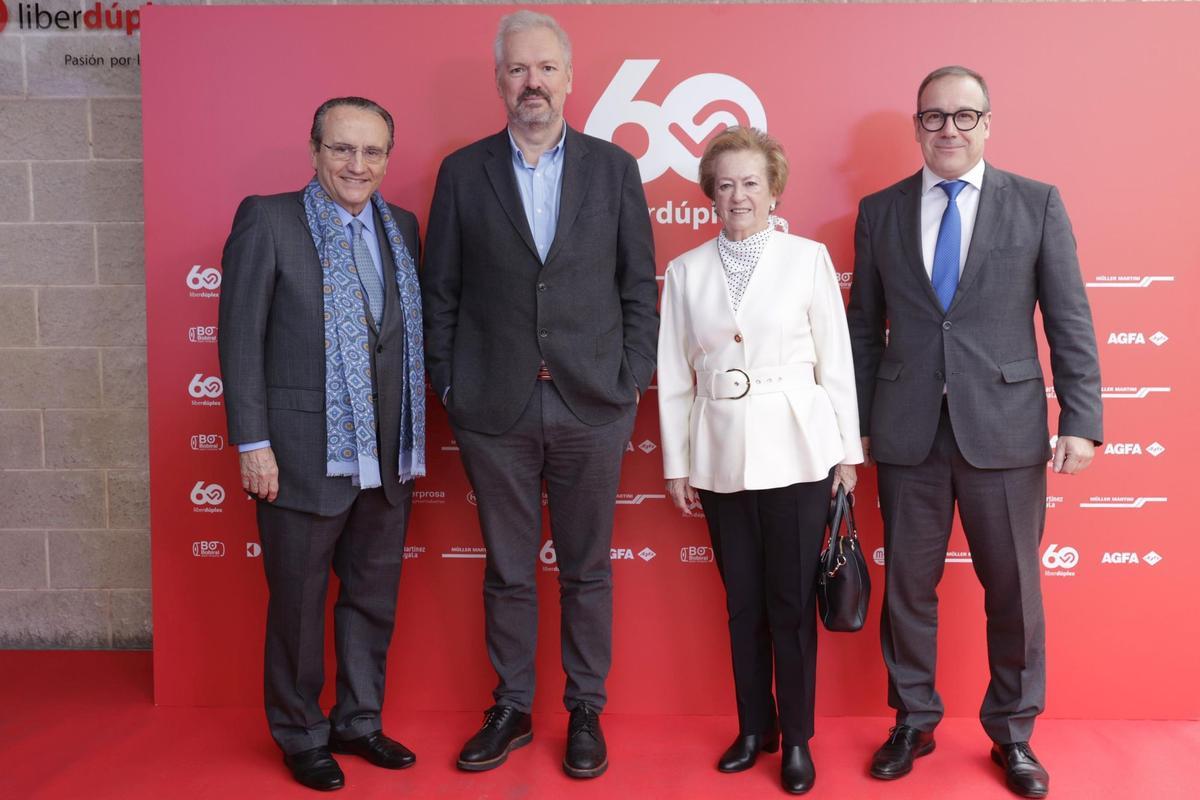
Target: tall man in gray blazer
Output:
[(321, 350), (541, 329), (950, 265)]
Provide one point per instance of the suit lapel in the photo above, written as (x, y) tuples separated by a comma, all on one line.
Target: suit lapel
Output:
[(908, 208), (576, 176), (500, 172), (987, 222)]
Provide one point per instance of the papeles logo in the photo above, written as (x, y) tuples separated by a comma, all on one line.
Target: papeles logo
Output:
[(1060, 561), (96, 17), (693, 112), (205, 390), (207, 498), (203, 281)]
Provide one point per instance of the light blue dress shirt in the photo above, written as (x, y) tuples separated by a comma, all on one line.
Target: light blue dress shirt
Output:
[(540, 188), (367, 217)]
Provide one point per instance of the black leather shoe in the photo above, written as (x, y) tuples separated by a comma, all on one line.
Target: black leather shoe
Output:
[(376, 748), (744, 751), (587, 754), (504, 730), (1024, 774), (315, 769), (896, 757), (798, 773)]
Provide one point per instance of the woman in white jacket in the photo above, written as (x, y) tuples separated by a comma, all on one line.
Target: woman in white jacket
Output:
[(759, 425)]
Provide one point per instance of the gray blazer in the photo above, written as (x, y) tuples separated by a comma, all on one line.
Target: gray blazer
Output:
[(983, 349), (272, 347), (493, 311)]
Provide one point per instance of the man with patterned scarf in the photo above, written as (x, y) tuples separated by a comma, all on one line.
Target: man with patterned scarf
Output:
[(322, 356)]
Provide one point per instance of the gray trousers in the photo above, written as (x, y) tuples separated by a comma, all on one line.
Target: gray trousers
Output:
[(581, 466), (365, 545), (1003, 512)]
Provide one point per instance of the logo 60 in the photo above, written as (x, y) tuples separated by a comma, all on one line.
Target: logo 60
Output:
[(205, 386), (212, 494), (203, 278), (1057, 557), (675, 129)]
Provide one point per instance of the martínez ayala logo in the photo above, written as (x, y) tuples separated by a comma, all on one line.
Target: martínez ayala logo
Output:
[(98, 17)]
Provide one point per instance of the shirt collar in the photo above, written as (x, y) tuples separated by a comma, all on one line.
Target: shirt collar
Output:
[(973, 176), (365, 217), (552, 153)]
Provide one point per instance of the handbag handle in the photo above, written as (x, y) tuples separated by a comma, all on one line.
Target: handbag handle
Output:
[(842, 511)]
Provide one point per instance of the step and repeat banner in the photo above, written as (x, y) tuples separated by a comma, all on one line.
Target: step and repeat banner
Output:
[(1099, 100)]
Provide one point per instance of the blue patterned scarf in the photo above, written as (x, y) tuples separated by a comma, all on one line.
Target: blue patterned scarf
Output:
[(352, 446)]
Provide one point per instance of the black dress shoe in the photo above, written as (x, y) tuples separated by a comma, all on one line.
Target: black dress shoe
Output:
[(798, 773), (1024, 774), (315, 769), (896, 757), (504, 729), (376, 748), (587, 754), (744, 751)]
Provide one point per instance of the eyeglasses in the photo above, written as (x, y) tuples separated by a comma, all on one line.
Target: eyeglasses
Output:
[(965, 119), (346, 152)]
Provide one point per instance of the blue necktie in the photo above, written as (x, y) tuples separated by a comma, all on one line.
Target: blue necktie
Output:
[(368, 275), (948, 251)]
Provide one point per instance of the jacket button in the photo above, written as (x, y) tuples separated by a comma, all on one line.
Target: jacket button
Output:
[(939, 375), (947, 325), (379, 349), (737, 337), (541, 287), (543, 333)]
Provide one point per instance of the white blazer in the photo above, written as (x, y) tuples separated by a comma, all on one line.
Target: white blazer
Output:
[(786, 353)]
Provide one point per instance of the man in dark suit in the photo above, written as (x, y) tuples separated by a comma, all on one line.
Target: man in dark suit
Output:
[(321, 350), (541, 329), (950, 265)]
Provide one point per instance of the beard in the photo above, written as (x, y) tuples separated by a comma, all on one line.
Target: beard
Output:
[(533, 116)]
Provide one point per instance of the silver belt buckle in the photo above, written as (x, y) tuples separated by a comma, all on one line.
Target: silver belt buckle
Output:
[(747, 389)]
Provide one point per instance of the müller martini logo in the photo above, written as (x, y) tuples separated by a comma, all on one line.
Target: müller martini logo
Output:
[(98, 17)]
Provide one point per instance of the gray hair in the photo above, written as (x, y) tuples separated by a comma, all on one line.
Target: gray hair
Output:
[(955, 71), (317, 134), (525, 20)]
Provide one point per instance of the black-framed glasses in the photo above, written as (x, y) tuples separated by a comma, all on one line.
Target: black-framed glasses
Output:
[(346, 152), (965, 119)]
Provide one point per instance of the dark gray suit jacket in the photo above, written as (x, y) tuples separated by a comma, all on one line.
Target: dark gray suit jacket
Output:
[(272, 346), (493, 311), (983, 348)]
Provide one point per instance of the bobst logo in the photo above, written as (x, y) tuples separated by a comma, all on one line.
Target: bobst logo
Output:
[(207, 441), (209, 549), (689, 554), (203, 281), (202, 334), (677, 129)]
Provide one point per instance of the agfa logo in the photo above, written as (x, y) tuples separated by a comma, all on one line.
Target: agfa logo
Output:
[(205, 386), (678, 129), (211, 495), (645, 554)]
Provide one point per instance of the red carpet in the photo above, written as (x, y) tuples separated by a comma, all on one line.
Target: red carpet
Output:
[(83, 725)]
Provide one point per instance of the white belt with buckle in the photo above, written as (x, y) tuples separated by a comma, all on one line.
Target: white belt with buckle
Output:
[(734, 384)]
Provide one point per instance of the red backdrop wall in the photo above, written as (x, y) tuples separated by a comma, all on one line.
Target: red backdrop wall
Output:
[(1097, 99)]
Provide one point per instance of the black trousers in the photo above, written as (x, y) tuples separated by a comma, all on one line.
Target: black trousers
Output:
[(767, 543), (365, 545)]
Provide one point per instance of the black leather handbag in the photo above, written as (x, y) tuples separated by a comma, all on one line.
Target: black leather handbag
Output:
[(844, 585)]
